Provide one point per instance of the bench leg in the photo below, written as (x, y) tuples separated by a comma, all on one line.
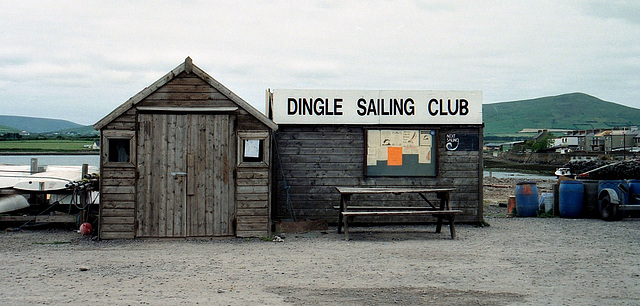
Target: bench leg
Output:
[(439, 224), (452, 227), (346, 227), (343, 204)]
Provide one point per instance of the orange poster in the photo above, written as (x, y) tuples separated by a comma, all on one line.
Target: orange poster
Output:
[(394, 157)]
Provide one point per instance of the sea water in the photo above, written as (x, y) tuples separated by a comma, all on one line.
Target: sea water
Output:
[(54, 160)]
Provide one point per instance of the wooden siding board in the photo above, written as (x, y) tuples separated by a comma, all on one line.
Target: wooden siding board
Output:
[(130, 126), (177, 86), (104, 204), (252, 204), (171, 169), (209, 176), (118, 197), (118, 182), (118, 173), (253, 173), (118, 220), (180, 192), (218, 175), (254, 212), (119, 189), (125, 228), (203, 202), (117, 212), (229, 180), (252, 197), (144, 164), (192, 202), (172, 95), (253, 182)]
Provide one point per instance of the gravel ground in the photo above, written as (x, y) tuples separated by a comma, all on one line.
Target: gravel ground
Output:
[(514, 261)]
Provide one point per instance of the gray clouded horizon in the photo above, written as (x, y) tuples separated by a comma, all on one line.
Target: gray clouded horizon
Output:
[(79, 60)]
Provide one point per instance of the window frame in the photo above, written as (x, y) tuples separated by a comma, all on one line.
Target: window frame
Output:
[(262, 136), (109, 135)]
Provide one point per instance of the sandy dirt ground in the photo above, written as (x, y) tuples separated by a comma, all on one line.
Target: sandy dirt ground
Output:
[(514, 261)]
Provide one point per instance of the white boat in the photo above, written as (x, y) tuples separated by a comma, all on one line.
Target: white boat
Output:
[(52, 179), (12, 202), (11, 174)]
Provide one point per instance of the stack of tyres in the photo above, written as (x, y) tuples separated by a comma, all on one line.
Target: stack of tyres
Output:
[(570, 199), (526, 199)]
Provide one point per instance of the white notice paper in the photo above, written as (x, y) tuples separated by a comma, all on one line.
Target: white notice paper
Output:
[(424, 155), (252, 148)]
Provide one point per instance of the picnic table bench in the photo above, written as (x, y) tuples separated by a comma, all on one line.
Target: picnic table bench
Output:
[(348, 211)]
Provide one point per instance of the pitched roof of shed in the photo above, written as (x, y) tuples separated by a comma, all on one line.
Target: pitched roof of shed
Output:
[(189, 68)]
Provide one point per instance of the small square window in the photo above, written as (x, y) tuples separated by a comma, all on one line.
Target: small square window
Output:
[(253, 149), (119, 150)]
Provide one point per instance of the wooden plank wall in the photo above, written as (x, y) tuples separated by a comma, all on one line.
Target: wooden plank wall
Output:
[(254, 187), (315, 159), (117, 188), (253, 213)]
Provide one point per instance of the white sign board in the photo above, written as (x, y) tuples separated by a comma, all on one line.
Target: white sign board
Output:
[(308, 106)]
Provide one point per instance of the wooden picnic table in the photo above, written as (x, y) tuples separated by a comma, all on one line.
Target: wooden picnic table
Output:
[(348, 211)]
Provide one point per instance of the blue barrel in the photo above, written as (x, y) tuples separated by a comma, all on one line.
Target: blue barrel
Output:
[(634, 191), (570, 199), (526, 199)]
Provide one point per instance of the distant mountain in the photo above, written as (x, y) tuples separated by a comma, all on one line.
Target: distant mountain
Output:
[(575, 111), (37, 125)]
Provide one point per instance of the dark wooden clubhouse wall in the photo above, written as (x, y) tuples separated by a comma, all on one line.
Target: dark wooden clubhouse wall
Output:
[(315, 159)]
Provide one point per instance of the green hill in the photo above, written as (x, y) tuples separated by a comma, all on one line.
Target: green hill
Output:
[(36, 125), (575, 111), (83, 130), (7, 129)]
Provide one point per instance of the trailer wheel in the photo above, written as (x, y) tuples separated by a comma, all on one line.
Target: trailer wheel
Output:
[(610, 212)]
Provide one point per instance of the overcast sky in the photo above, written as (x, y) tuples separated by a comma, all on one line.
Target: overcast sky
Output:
[(79, 60)]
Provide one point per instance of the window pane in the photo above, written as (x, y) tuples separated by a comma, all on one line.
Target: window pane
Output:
[(119, 150)]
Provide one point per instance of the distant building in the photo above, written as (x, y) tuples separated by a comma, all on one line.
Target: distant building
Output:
[(617, 139)]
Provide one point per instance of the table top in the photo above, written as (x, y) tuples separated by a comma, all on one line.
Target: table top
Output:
[(374, 190)]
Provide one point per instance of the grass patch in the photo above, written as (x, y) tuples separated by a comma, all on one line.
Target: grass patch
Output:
[(50, 145), (545, 214)]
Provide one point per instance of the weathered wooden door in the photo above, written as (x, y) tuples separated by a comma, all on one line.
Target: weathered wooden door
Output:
[(185, 184)]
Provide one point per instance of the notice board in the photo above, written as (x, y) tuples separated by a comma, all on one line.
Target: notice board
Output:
[(400, 152)]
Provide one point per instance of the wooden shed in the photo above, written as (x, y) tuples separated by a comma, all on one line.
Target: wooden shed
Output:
[(367, 138), (185, 157)]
